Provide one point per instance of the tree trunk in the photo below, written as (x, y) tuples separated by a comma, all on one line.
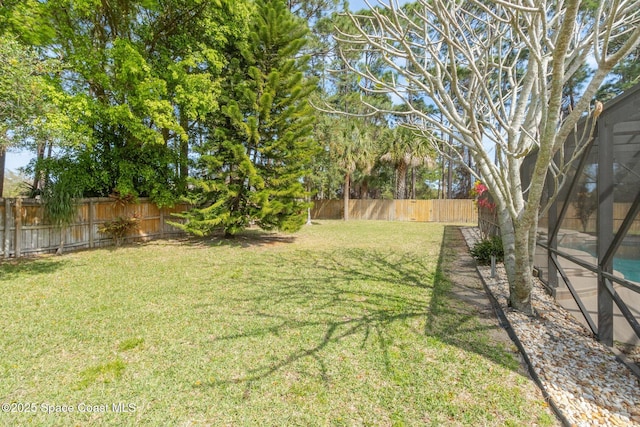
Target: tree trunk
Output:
[(520, 287), (184, 155), (347, 179), (60, 249), (364, 189), (401, 181), (46, 175), (518, 262), (413, 183), (38, 175), (3, 160), (308, 187), (441, 189), (450, 170)]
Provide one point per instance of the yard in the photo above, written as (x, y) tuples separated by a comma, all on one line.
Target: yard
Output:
[(340, 324)]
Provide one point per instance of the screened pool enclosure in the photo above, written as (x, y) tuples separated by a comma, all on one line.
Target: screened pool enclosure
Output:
[(589, 240)]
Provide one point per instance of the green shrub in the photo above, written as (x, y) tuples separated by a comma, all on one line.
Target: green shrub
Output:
[(120, 227), (483, 250)]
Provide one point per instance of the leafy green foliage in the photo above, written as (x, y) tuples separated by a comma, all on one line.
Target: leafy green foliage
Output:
[(625, 75), (138, 77), (22, 93), (59, 200), (20, 86), (254, 161), (483, 250), (406, 151), (136, 96)]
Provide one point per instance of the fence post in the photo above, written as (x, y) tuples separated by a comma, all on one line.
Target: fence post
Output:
[(18, 221), (7, 226), (552, 245), (605, 185), (92, 220), (493, 266), (161, 223)]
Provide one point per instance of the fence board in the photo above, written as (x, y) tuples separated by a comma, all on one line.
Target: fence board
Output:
[(24, 229), (371, 209), (2, 226), (572, 219), (6, 229), (456, 210), (327, 209), (414, 210), (35, 235)]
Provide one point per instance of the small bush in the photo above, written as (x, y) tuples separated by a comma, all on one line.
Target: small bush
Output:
[(120, 227), (483, 250)]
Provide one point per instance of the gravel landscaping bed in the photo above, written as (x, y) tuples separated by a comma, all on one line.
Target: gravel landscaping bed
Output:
[(583, 378)]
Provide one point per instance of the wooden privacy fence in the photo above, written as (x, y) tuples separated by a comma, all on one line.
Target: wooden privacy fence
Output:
[(24, 231), (454, 210), (572, 220)]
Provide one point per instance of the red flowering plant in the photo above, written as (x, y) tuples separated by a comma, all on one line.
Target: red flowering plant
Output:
[(487, 216), (481, 195)]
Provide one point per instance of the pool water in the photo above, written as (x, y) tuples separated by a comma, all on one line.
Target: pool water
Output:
[(629, 268)]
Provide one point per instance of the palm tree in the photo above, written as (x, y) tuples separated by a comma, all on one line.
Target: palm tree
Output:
[(406, 151), (351, 148)]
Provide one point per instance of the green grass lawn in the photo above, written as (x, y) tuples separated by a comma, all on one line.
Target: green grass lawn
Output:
[(340, 324)]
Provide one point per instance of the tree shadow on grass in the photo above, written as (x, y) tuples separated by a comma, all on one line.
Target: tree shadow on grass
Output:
[(246, 239), (459, 300), (364, 295), (14, 268)]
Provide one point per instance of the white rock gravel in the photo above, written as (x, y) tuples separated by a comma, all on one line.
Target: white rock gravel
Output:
[(581, 376)]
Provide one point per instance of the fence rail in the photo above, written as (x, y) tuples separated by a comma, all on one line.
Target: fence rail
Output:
[(24, 230), (454, 210)]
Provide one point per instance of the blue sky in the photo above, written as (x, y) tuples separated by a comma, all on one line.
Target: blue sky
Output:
[(17, 159), (360, 4)]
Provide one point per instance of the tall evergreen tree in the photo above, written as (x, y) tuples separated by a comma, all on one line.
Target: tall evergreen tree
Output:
[(259, 147), (624, 75)]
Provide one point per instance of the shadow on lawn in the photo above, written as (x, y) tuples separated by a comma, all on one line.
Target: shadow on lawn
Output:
[(458, 291), (352, 294), (13, 268), (246, 239)]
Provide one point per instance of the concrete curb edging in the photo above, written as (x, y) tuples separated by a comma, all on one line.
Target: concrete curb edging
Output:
[(582, 380), (504, 322)]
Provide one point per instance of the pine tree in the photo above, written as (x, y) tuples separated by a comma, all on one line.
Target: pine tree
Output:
[(624, 76), (259, 147)]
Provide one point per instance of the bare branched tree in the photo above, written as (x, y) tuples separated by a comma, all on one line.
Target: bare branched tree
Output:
[(496, 71)]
